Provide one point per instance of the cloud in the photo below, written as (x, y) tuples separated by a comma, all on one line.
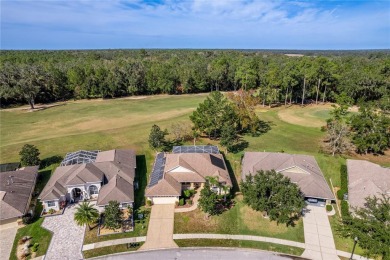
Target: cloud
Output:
[(76, 24)]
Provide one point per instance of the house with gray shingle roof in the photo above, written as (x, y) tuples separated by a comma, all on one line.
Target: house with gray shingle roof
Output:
[(186, 168), (16, 189), (366, 179), (301, 169), (108, 177)]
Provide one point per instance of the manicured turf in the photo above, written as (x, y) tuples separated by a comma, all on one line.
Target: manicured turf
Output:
[(126, 123), (238, 243), (239, 220), (109, 250)]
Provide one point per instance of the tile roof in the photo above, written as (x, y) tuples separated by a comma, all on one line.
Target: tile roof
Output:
[(366, 179), (301, 169), (110, 166), (188, 167), (16, 191)]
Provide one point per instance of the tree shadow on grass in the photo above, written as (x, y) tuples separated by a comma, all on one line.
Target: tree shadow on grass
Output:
[(141, 178), (235, 187), (50, 160)]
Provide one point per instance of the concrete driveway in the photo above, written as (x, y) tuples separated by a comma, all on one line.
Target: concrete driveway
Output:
[(68, 237), (318, 235), (7, 237), (160, 230)]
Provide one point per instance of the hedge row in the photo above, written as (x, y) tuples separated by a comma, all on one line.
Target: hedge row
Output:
[(343, 182), (344, 208)]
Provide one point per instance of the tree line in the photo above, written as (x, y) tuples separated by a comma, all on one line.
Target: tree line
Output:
[(47, 76)]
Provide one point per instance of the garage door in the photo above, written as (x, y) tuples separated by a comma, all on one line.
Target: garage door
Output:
[(164, 200)]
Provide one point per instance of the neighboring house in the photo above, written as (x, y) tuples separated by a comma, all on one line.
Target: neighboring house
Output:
[(301, 169), (16, 188), (187, 167), (366, 179), (109, 175)]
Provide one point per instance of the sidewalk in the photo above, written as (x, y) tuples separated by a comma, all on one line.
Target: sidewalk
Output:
[(194, 204)]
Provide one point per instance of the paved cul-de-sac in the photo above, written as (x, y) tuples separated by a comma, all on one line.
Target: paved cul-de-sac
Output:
[(67, 237)]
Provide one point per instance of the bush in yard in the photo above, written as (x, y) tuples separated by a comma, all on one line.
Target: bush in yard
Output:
[(29, 155), (181, 202), (344, 208), (187, 193), (51, 211), (149, 203), (329, 207), (189, 201), (34, 248), (112, 215), (27, 219)]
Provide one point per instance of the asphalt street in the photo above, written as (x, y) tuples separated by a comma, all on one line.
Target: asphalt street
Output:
[(199, 254)]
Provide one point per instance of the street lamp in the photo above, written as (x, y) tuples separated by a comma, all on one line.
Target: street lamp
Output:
[(354, 245)]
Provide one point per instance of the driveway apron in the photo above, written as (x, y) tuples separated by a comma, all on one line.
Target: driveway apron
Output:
[(318, 235), (7, 237), (160, 230), (68, 237)]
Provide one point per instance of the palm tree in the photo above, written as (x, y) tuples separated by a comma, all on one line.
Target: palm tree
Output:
[(86, 214)]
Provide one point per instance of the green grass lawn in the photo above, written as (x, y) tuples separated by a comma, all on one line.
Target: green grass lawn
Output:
[(126, 123), (238, 243), (38, 234), (109, 250), (239, 220)]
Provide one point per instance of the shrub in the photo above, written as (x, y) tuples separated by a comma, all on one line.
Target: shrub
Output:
[(34, 248), (189, 202), (181, 202), (51, 211), (329, 207), (187, 193), (149, 203), (27, 219), (176, 203), (344, 208), (343, 182)]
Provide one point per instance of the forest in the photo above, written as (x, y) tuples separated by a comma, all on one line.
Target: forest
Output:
[(273, 77)]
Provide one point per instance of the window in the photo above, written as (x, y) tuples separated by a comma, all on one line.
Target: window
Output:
[(93, 190), (51, 203)]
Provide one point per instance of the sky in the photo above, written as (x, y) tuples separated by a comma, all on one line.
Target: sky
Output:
[(195, 24)]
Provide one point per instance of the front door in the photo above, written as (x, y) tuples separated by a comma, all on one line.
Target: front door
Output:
[(76, 194)]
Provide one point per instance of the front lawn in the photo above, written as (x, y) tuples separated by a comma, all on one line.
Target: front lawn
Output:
[(39, 235), (110, 250), (238, 243), (238, 220)]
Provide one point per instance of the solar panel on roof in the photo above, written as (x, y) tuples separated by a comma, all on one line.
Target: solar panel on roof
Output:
[(196, 149), (78, 157), (158, 169)]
